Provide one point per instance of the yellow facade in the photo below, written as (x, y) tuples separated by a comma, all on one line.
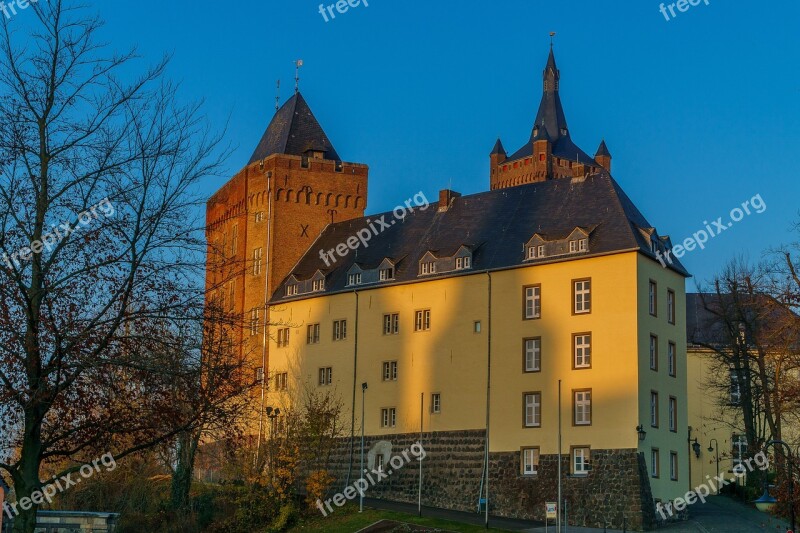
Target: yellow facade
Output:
[(452, 359)]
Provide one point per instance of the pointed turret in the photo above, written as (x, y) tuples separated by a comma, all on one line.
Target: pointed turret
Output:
[(295, 131), (551, 113), (603, 156)]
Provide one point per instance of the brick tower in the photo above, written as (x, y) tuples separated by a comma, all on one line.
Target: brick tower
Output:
[(550, 153), (267, 216)]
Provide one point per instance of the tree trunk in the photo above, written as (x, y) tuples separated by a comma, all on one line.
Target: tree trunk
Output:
[(26, 477), (184, 469)]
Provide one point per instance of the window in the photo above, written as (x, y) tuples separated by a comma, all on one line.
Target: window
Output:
[(339, 330), (532, 252), (540, 250), (739, 451), (533, 410), (655, 463), (386, 274), (428, 268), (578, 246), (283, 337), (436, 403), (673, 414), (354, 279), (234, 239), (582, 413), (653, 352), (532, 355), (671, 363), (580, 461), (281, 381), (390, 371), (654, 409), (254, 321), (259, 216), (463, 263), (736, 389), (325, 376), (379, 463), (582, 296), (533, 302), (231, 295), (318, 285), (671, 306), (260, 374), (422, 321), (476, 326), (530, 461), (653, 298), (312, 336), (258, 255), (391, 324), (304, 163), (388, 417), (582, 343), (673, 466), (291, 289)]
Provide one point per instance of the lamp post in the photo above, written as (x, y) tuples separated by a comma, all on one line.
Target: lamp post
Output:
[(272, 414), (642, 433), (361, 492), (715, 448), (789, 458)]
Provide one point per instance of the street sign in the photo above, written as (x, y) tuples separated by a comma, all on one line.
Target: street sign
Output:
[(550, 510)]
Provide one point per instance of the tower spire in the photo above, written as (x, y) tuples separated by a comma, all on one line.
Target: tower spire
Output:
[(297, 65)]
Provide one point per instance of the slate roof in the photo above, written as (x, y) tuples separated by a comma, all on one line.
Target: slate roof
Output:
[(496, 224), (602, 150), (294, 130)]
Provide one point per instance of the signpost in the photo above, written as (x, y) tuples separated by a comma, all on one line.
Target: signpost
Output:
[(550, 513)]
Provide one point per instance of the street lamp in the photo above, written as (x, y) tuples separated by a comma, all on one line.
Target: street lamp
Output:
[(696, 448), (791, 479), (715, 448), (766, 503), (361, 492), (642, 433)]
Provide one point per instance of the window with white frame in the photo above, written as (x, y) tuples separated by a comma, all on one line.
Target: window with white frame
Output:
[(428, 267), (259, 216), (254, 321), (386, 274), (339, 330), (739, 449), (422, 320), (673, 414), (540, 251), (533, 354), (671, 362), (325, 376), (533, 409), (579, 245), (258, 255), (463, 263), (260, 374), (582, 412), (354, 279), (582, 296), (655, 463), (436, 403), (735, 388), (532, 252), (388, 417), (379, 464), (318, 285), (291, 289), (673, 466), (581, 461), (533, 302), (653, 352), (391, 324), (654, 409), (530, 461), (390, 371), (312, 336), (281, 381), (582, 344), (283, 337)]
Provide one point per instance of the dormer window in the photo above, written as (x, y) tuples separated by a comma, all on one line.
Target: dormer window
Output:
[(318, 285), (292, 289), (354, 279), (428, 268), (654, 247), (540, 251), (579, 245), (386, 274), (463, 263), (531, 252)]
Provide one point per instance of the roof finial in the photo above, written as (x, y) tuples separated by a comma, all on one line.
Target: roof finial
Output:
[(552, 36), (297, 65), (278, 97)]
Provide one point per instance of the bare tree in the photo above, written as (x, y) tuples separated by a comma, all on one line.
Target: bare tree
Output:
[(101, 247)]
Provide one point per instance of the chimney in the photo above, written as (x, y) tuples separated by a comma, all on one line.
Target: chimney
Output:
[(446, 197)]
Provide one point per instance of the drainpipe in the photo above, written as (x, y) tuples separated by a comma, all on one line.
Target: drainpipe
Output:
[(353, 409), (488, 397), (267, 263)]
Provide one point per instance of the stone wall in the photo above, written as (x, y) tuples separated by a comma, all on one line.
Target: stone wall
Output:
[(617, 489)]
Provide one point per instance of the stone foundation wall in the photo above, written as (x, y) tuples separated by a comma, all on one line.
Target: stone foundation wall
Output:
[(615, 493)]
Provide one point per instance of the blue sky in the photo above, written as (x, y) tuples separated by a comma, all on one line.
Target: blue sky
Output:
[(701, 112)]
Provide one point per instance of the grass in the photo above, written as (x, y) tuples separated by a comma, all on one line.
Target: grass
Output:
[(349, 520)]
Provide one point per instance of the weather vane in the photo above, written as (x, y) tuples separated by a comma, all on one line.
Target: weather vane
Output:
[(297, 65), (552, 35), (278, 96)]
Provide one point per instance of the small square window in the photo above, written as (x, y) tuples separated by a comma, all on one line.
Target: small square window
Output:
[(476, 326)]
